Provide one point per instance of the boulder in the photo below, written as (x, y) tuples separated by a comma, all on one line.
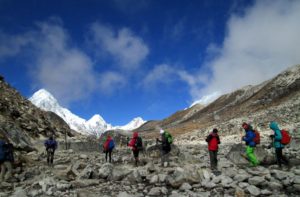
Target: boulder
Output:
[(237, 154)]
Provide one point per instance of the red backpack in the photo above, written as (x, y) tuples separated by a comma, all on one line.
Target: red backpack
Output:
[(286, 138), (256, 139)]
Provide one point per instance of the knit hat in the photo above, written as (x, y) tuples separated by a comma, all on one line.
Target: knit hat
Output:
[(245, 125), (161, 131)]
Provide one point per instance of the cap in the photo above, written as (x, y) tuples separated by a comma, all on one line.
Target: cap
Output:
[(161, 131)]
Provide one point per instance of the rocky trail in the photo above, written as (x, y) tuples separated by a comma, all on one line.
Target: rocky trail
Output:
[(81, 173)]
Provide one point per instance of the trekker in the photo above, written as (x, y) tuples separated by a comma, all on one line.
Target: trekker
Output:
[(249, 139), (51, 146), (165, 146), (108, 147), (213, 141), (6, 160), (278, 145), (134, 143)]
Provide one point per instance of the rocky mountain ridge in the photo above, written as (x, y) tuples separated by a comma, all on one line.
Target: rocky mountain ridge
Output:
[(23, 124), (276, 99)]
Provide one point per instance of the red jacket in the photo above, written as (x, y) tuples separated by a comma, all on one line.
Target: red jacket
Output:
[(213, 140), (133, 141)]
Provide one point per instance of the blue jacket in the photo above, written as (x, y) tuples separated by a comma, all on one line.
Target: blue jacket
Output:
[(50, 144), (277, 135), (248, 138)]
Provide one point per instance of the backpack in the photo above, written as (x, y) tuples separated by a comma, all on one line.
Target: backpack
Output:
[(2, 150), (169, 137), (256, 139), (50, 144), (111, 145), (139, 143), (286, 138)]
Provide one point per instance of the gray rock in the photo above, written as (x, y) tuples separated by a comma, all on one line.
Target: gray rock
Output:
[(265, 192), (253, 190), (19, 192), (185, 187), (296, 180), (243, 185), (119, 173), (154, 179), (234, 155), (105, 170), (134, 177), (296, 187), (155, 191), (87, 172), (124, 194), (278, 174), (275, 185), (162, 178), (241, 177), (257, 180)]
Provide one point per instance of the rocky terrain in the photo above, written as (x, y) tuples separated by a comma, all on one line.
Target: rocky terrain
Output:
[(80, 169), (85, 173)]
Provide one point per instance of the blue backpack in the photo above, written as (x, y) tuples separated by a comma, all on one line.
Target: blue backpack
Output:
[(111, 145), (51, 144)]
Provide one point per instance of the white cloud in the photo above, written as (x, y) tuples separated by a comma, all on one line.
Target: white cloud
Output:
[(126, 48), (258, 45), (56, 65), (160, 74), (111, 81)]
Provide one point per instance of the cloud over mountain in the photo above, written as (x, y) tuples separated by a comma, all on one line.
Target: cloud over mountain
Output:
[(259, 44), (126, 48)]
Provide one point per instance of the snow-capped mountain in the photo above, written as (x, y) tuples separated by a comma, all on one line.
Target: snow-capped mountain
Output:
[(135, 123), (94, 126)]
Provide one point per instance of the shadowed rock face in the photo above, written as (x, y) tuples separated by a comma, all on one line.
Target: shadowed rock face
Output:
[(22, 123)]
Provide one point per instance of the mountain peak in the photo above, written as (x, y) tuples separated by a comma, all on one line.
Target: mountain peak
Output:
[(94, 126), (44, 99), (42, 93)]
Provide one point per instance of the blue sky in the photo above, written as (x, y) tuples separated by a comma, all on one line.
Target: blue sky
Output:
[(127, 58)]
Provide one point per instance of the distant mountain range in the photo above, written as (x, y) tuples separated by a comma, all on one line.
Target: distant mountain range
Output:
[(94, 126)]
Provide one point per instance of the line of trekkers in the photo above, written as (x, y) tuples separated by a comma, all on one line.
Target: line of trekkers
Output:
[(280, 138), (136, 144)]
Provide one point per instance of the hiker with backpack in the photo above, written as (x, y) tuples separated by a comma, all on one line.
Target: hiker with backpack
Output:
[(249, 139), (280, 139), (108, 147), (213, 141), (51, 146), (137, 145), (166, 141), (6, 160)]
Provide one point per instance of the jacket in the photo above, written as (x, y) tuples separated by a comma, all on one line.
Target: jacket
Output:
[(277, 135), (50, 144), (213, 140), (133, 141), (165, 145), (248, 138), (108, 144)]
